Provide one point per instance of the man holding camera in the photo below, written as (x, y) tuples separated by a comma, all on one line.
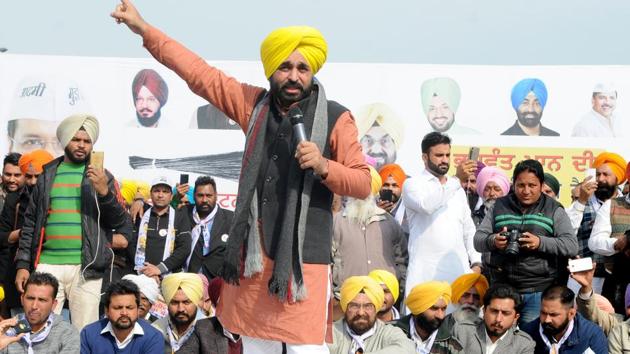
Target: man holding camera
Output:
[(530, 238)]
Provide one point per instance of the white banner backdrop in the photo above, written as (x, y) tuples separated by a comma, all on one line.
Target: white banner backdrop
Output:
[(103, 87)]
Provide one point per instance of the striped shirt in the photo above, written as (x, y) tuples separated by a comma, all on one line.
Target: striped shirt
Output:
[(62, 243)]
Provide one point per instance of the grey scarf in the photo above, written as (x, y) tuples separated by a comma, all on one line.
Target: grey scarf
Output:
[(287, 282)]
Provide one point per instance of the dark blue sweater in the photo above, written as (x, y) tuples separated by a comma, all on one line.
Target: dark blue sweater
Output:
[(92, 341), (585, 334)]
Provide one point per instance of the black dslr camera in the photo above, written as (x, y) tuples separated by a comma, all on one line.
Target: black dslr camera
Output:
[(513, 245)]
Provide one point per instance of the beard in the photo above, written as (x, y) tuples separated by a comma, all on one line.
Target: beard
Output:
[(466, 313), (529, 119), (442, 128), (181, 321), (428, 325), (439, 170), (360, 324), (604, 191), (284, 99), (149, 121), (550, 330), (496, 330), (473, 198), (121, 325), (361, 210), (74, 159)]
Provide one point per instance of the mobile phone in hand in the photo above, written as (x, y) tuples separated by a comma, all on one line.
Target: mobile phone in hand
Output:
[(96, 159), (386, 195), (473, 153), (183, 178)]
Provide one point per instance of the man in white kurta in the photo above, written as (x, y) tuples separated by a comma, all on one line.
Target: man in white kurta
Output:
[(440, 227)]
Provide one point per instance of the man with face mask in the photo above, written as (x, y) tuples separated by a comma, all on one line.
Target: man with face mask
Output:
[(276, 265), (560, 329), (593, 194), (12, 218), (440, 227), (529, 97), (210, 231)]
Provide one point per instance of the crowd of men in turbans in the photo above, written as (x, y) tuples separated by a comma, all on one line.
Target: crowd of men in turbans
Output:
[(477, 262)]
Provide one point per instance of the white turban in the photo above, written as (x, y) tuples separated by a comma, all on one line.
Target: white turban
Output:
[(147, 286), (71, 125), (381, 114)]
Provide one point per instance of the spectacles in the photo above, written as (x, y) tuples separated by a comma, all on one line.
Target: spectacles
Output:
[(369, 307)]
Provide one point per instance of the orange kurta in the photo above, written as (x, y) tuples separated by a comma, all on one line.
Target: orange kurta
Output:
[(248, 309)]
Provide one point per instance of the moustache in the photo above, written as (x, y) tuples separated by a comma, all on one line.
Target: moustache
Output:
[(292, 85)]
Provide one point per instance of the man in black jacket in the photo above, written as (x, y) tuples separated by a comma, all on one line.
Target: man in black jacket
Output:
[(66, 224), (211, 225), (162, 235), (11, 221)]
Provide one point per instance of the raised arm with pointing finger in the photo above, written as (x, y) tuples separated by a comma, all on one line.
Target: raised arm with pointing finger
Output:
[(277, 285)]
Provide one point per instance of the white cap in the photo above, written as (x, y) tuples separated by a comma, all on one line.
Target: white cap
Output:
[(162, 180), (47, 98), (606, 87)]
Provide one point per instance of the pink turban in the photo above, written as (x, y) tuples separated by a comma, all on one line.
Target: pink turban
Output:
[(494, 174)]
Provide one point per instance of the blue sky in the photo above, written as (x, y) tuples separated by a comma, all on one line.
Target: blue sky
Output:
[(508, 32)]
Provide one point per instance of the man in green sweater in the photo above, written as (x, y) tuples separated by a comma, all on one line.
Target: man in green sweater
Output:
[(65, 228)]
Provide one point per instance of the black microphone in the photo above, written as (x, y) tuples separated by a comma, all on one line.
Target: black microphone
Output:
[(297, 120)]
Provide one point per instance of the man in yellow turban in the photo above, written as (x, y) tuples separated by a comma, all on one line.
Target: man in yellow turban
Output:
[(360, 331), (277, 285), (426, 325), (182, 292), (381, 132), (76, 250), (468, 291), (600, 198), (391, 289)]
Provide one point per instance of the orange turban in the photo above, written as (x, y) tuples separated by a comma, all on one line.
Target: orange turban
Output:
[(34, 161), (395, 171), (616, 163), (467, 281)]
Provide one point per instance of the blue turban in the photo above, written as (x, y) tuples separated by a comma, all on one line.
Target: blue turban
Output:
[(524, 87)]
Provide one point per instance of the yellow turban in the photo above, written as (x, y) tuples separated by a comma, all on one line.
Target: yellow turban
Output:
[(388, 279), (354, 285), (128, 189), (190, 283), (71, 125), (144, 189), (280, 43), (616, 163), (34, 160), (425, 295), (379, 113), (467, 281), (376, 182)]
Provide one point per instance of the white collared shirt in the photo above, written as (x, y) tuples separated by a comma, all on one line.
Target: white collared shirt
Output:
[(422, 346), (137, 329), (554, 348), (441, 230), (490, 347)]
